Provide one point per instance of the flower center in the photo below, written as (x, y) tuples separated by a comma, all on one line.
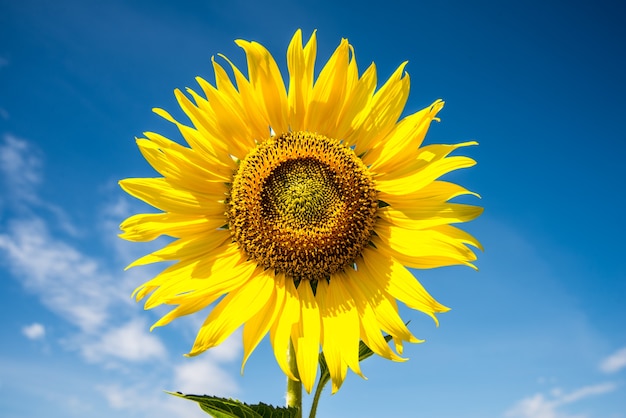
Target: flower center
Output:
[(302, 204)]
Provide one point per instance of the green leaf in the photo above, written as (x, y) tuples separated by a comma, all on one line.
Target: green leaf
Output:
[(232, 408)]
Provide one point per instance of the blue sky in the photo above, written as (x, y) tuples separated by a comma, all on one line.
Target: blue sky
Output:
[(538, 332)]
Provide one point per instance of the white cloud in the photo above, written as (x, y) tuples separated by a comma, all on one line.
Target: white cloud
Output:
[(200, 375), (117, 397), (536, 406), (130, 342), (142, 401), (540, 406), (229, 350), (34, 331), (615, 362), (95, 297), (68, 282), (196, 375), (586, 391), (20, 163)]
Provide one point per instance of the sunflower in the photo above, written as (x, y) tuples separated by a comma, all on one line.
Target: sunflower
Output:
[(296, 210)]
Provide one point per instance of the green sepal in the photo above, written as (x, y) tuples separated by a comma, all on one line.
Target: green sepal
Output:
[(232, 408), (365, 351)]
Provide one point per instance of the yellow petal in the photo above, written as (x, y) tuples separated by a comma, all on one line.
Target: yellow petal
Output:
[(218, 271), (268, 84), (378, 119), (188, 247), (358, 98), (426, 214), (385, 310), (454, 233), (331, 347), (428, 248), (236, 308), (403, 141), (398, 282), (257, 117), (146, 227), (301, 64), (190, 307), (231, 118), (177, 159), (327, 90), (438, 191), (370, 327), (340, 328), (255, 329), (281, 330), (412, 162), (179, 169), (398, 344), (306, 336), (198, 142), (205, 123), (164, 195), (411, 183)]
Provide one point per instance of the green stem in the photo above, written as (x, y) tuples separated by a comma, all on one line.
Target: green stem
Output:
[(294, 388), (316, 397)]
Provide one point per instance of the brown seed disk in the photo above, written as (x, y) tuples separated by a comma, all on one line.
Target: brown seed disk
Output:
[(302, 204)]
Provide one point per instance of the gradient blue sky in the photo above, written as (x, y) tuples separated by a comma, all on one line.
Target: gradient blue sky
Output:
[(538, 332)]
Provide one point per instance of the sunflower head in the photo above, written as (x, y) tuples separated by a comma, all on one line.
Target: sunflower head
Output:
[(296, 209), (302, 204)]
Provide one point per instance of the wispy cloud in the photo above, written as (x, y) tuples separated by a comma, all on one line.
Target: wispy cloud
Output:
[(542, 406), (68, 282), (203, 375), (615, 362), (34, 331), (130, 342), (197, 375), (138, 400), (92, 294), (21, 165)]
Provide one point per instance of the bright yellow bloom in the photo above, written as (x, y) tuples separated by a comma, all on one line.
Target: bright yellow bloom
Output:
[(295, 210)]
